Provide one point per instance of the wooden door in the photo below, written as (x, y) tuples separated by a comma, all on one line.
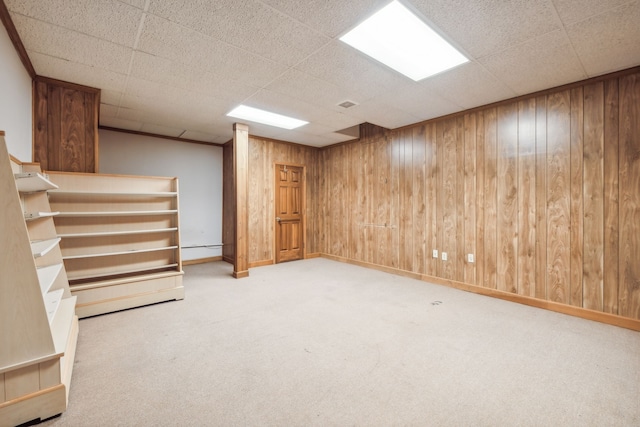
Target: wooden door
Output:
[(289, 217)]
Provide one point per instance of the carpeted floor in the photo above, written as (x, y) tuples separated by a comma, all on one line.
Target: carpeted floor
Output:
[(318, 342)]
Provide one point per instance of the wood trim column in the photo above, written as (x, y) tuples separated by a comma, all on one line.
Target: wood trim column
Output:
[(240, 188)]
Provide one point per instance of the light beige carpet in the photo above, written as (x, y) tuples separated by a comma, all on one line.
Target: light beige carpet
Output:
[(324, 343)]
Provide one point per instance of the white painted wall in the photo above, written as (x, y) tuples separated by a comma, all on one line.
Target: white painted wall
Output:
[(15, 100), (199, 170)]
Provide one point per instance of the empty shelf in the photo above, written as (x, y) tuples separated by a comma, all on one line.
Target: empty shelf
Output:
[(118, 213), (47, 275), (117, 233), (61, 325), (28, 182), (42, 247), (131, 252), (30, 216), (114, 273), (52, 302), (113, 194)]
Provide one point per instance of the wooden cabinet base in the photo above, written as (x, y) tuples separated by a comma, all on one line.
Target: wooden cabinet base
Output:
[(123, 294), (50, 401)]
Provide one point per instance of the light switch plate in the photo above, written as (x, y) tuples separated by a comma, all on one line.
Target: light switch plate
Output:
[(444, 256), (470, 258), (435, 253)]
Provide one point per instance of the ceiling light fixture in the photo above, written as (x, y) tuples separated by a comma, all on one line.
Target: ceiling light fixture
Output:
[(265, 117), (402, 41)]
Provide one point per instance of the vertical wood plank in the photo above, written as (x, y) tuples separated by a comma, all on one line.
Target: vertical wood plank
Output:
[(490, 199), (405, 199), (629, 248), (240, 184), (431, 195), (507, 192), (2, 395), (611, 196), (419, 204), (459, 197), (369, 192), (54, 128), (228, 204), (526, 260), (469, 194), (480, 177), (559, 197), (440, 129), (357, 201), (541, 197), (20, 382), (384, 154), (593, 172), (577, 209), (90, 132), (449, 174), (40, 125), (72, 131)]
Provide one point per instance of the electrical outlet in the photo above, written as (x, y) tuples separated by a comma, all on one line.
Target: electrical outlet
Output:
[(470, 258), (444, 256), (435, 253)]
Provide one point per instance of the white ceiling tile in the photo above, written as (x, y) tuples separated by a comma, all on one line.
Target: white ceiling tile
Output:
[(110, 97), (120, 123), (609, 41), (330, 17), (524, 71), (351, 70), (198, 136), (249, 25), (60, 69), (484, 27), (308, 88), (314, 140), (382, 115), (285, 105), (107, 110), (135, 3), (111, 20), (468, 86), (162, 130), (130, 114), (59, 42), (571, 11)]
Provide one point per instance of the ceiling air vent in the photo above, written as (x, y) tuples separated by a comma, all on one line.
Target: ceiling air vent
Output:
[(347, 104)]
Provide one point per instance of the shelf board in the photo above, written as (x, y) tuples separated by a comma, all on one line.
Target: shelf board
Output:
[(52, 302), (117, 213), (84, 286), (42, 247), (29, 182), (159, 194), (131, 252), (118, 233), (61, 325), (47, 275), (30, 216)]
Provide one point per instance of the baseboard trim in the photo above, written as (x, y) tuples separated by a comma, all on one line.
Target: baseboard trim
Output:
[(584, 313), (261, 263), (201, 260), (312, 255)]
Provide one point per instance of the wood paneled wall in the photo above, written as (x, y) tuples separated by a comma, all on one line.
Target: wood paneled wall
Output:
[(228, 204), (544, 191), (263, 154), (65, 126)]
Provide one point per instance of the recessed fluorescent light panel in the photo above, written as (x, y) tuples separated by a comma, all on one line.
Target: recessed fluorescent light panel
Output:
[(265, 117), (402, 41)]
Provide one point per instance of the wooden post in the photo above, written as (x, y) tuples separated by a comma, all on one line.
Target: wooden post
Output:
[(240, 188)]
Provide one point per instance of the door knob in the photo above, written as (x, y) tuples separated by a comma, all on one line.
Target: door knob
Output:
[(278, 219)]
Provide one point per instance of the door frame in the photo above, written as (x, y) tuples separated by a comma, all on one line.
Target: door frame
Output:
[(303, 220)]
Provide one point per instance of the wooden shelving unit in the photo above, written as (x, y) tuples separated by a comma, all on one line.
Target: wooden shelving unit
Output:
[(120, 239), (38, 325)]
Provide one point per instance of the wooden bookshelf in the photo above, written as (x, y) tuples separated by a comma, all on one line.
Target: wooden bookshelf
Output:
[(38, 325), (120, 239)]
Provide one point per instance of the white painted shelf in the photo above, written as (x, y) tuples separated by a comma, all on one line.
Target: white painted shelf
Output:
[(42, 247), (117, 213), (118, 233), (30, 216), (52, 302), (47, 275), (131, 252), (29, 182)]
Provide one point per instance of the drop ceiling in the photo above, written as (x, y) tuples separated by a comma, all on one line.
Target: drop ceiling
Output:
[(176, 67)]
